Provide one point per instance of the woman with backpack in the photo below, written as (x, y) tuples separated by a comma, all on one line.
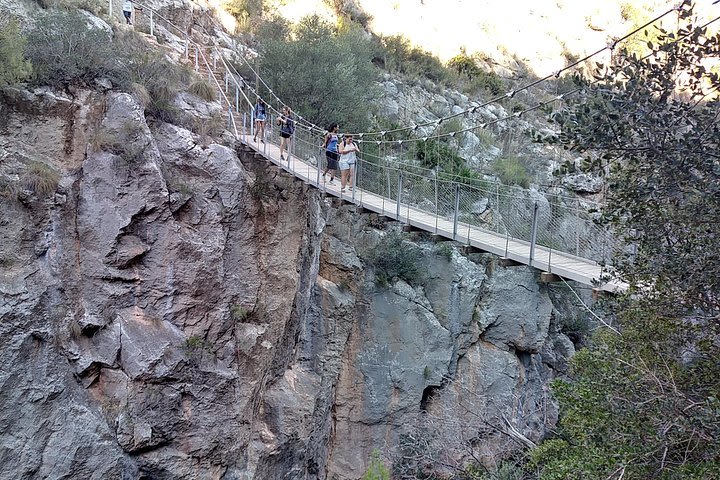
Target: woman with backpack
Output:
[(331, 151), (287, 128), (348, 157), (260, 114)]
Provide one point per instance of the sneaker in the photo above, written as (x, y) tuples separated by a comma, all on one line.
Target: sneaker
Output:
[(331, 182), (281, 157), (254, 139), (342, 190), (263, 141)]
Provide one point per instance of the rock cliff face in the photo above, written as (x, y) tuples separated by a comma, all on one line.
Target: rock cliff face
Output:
[(173, 310)]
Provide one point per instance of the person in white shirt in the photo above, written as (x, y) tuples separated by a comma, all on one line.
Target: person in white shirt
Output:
[(348, 156), (127, 11)]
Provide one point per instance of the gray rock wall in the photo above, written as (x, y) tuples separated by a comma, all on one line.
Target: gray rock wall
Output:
[(170, 310)]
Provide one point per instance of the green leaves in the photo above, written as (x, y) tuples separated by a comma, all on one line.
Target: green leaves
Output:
[(14, 68), (325, 75)]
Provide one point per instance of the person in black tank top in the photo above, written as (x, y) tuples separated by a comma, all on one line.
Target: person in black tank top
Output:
[(330, 145)]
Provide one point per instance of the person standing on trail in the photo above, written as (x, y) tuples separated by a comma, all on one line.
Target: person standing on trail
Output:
[(260, 114), (287, 128), (331, 151), (348, 157), (127, 11)]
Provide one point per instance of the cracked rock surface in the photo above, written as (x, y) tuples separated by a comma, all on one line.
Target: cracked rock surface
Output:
[(176, 309)]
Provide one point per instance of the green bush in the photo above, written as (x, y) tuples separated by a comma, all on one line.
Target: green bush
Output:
[(377, 469), (512, 171), (399, 55), (239, 313), (325, 74), (64, 49), (14, 67), (395, 258)]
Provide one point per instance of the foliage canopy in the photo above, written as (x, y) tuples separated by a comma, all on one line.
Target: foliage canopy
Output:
[(326, 74)]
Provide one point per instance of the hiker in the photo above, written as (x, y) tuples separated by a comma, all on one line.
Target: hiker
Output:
[(331, 152), (260, 114), (348, 157), (287, 128), (127, 11)]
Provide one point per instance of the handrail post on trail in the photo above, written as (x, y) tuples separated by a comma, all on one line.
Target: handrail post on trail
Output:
[(507, 243), (457, 210), (237, 99), (197, 60), (110, 10), (399, 194), (533, 233), (187, 48)]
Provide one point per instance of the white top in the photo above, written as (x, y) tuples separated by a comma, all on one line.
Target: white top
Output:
[(127, 6), (349, 157)]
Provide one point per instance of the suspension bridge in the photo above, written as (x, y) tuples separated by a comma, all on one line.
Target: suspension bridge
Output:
[(553, 233)]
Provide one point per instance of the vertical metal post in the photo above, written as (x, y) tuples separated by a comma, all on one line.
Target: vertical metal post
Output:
[(230, 118), (497, 206), (244, 126), (187, 48), (577, 230), (436, 203), (533, 234), (197, 62), (152, 23), (237, 99), (550, 260), (226, 82), (353, 183), (507, 242), (252, 122), (317, 168), (457, 210), (399, 194), (110, 9)]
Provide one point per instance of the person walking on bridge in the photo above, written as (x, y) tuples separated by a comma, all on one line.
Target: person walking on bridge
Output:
[(331, 151), (127, 11), (260, 114), (287, 128), (348, 156)]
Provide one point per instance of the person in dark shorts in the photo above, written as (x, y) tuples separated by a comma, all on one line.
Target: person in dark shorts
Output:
[(260, 114), (331, 151), (287, 128), (127, 11)]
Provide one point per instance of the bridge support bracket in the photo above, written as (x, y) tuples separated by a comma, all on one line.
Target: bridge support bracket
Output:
[(411, 228), (468, 249), (598, 293), (508, 262), (547, 277)]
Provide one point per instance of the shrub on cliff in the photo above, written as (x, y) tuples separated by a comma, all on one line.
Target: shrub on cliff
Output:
[(394, 258), (14, 67), (65, 50)]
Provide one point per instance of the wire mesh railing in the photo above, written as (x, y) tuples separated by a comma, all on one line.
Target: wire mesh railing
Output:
[(543, 227)]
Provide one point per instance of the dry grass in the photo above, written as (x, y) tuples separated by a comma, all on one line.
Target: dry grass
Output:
[(202, 88)]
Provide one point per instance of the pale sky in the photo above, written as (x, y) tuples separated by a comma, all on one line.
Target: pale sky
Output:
[(538, 32)]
